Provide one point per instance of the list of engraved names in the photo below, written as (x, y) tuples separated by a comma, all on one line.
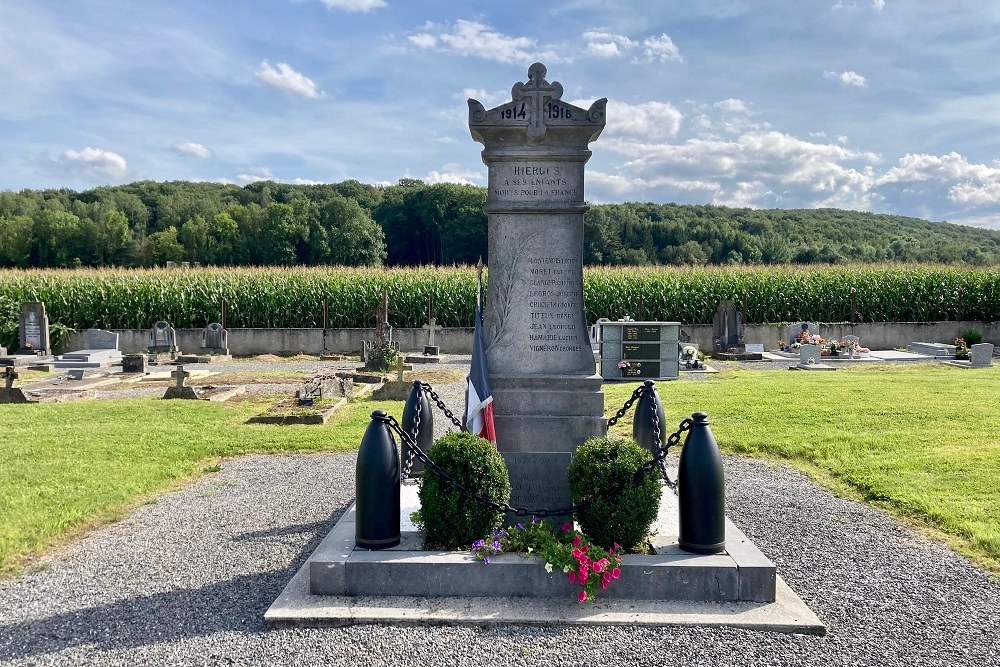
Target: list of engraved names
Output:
[(553, 304)]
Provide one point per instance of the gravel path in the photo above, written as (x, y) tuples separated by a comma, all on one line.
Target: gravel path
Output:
[(186, 580)]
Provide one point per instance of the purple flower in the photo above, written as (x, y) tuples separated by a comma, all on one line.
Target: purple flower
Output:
[(520, 526), (486, 560)]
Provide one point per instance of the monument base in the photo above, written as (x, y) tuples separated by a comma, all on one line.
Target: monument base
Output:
[(341, 584)]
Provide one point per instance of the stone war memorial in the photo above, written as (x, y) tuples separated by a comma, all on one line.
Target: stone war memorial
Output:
[(547, 400)]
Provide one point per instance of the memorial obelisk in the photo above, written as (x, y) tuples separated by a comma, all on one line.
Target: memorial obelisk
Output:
[(547, 396)]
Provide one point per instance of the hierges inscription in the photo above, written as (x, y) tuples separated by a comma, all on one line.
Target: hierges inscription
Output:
[(551, 182)]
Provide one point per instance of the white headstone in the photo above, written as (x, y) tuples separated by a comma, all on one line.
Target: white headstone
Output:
[(809, 354), (981, 355)]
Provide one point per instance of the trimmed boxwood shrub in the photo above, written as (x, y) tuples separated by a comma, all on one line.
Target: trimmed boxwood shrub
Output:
[(601, 464), (450, 520)]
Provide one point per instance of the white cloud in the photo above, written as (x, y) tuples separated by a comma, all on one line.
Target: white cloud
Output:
[(661, 48), (424, 40), (471, 38), (877, 5), (750, 169), (653, 120), (306, 181), (354, 5), (454, 174), (849, 78), (489, 99), (604, 44), (287, 79), (191, 148), (732, 105), (90, 164), (253, 174), (973, 184)]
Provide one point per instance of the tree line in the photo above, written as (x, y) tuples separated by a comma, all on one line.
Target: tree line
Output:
[(414, 223)]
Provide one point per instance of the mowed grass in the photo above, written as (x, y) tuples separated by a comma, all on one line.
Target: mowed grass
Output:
[(922, 440), (67, 467)]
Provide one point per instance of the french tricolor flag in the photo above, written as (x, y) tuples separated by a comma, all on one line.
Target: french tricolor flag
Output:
[(478, 397)]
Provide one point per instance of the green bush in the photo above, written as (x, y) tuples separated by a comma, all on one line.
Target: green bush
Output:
[(381, 359), (450, 520), (972, 337), (601, 464)]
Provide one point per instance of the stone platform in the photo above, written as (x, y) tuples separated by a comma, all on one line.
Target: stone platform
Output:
[(341, 584)]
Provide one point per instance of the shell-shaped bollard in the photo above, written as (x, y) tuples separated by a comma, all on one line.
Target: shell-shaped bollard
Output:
[(377, 510), (425, 432), (701, 490), (642, 420)]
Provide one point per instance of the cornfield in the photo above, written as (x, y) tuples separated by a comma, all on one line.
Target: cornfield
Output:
[(277, 297)]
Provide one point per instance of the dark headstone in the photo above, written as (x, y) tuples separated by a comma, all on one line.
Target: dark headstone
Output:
[(99, 339), (215, 339), (34, 329), (162, 338), (134, 363), (727, 328)]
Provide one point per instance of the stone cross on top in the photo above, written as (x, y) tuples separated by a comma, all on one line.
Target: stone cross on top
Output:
[(180, 375), (10, 375), (535, 92), (432, 326)]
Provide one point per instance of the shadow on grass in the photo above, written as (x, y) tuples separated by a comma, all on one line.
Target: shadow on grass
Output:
[(234, 605)]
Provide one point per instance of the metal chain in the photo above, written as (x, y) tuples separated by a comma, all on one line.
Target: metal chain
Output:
[(416, 433), (444, 408), (628, 406), (610, 494)]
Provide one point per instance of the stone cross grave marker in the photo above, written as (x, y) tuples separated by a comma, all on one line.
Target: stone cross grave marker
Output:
[(179, 375), (399, 368), (547, 396), (34, 329), (9, 375), (382, 312), (981, 355), (432, 326)]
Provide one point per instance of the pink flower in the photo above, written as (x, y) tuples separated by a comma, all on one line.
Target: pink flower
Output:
[(577, 554), (582, 596), (615, 573), (572, 576), (567, 527), (584, 576), (598, 566), (586, 548), (604, 583), (616, 547), (576, 540), (606, 579)]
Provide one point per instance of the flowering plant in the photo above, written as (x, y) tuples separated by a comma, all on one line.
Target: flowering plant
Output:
[(961, 346), (586, 565), (624, 363)]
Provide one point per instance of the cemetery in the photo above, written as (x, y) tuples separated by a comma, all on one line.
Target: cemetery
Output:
[(576, 431)]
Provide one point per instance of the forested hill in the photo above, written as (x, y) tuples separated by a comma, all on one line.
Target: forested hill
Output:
[(410, 223)]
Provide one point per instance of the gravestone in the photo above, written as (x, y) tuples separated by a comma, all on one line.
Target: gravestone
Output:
[(34, 329), (134, 363), (981, 355), (432, 328), (810, 357), (162, 341), (8, 392), (383, 330), (547, 399), (727, 328), (215, 340), (796, 331), (178, 390)]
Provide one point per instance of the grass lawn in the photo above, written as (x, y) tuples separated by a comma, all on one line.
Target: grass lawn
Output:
[(65, 467), (921, 440)]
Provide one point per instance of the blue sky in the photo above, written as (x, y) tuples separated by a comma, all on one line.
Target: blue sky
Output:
[(876, 105)]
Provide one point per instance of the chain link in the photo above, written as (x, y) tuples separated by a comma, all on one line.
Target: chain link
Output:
[(628, 406), (637, 476), (444, 408), (416, 433)]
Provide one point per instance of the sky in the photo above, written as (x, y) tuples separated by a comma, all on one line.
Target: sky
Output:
[(889, 106)]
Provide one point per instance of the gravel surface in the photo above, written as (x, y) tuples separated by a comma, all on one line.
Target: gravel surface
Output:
[(186, 580)]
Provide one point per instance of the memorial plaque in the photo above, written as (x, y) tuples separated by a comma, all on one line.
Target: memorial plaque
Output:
[(539, 480), (33, 329), (645, 369), (641, 351)]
